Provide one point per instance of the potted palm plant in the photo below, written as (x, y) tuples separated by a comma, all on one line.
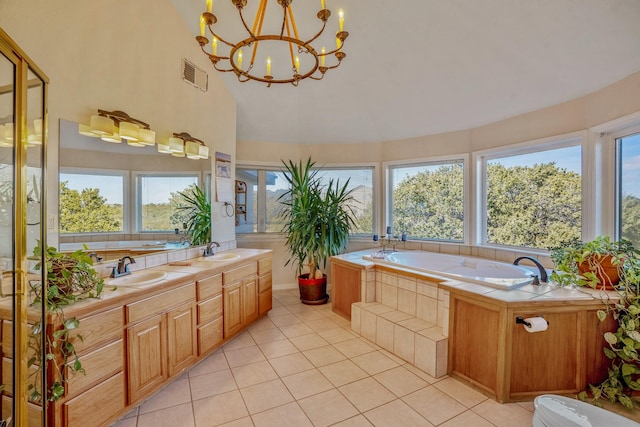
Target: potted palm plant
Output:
[(317, 220), (195, 211)]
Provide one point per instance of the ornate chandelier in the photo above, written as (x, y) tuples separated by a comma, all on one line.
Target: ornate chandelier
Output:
[(314, 59)]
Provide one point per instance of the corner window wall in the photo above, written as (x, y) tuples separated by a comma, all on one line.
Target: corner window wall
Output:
[(533, 199), (157, 198), (427, 200), (92, 201), (628, 194)]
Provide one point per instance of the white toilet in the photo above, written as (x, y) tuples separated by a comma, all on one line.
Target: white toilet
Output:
[(560, 411)]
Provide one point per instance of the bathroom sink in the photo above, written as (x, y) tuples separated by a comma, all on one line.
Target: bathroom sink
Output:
[(223, 256), (137, 278)]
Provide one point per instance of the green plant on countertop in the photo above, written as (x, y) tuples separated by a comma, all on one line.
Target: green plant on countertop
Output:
[(196, 210), (70, 278), (622, 304), (592, 256)]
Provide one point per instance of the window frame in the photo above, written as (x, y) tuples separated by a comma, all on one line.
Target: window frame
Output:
[(613, 140), (137, 196), (480, 185), (263, 167), (126, 194), (387, 217)]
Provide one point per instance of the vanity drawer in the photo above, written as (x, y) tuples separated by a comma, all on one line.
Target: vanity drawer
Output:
[(209, 309), (264, 283), (240, 273), (209, 336), (264, 266), (209, 287), (99, 329), (99, 365), (159, 303), (99, 403)]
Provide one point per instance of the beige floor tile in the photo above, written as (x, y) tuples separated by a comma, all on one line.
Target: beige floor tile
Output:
[(126, 422), (393, 357), (290, 300), (374, 362), (241, 341), (262, 324), (357, 421), (180, 415), (285, 319), (290, 364), (327, 408), (296, 330), (267, 335), (354, 347), (261, 397), (211, 384), (277, 310), (253, 373), (278, 348), (219, 409), (242, 422), (343, 372), (322, 324), (307, 316), (397, 414), (336, 335), (173, 394), (323, 356), (434, 405), (367, 394), (341, 321), (420, 373), (400, 381), (307, 383), (461, 392), (132, 413), (307, 342), (244, 356), (290, 414), (504, 415), (528, 406), (467, 419), (216, 362)]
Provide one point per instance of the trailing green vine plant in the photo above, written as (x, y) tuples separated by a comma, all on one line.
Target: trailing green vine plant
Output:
[(70, 278)]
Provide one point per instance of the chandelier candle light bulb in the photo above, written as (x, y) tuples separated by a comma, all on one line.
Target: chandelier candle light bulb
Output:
[(214, 46), (341, 16), (209, 6), (323, 5), (322, 58), (240, 59), (297, 64), (268, 65), (202, 24)]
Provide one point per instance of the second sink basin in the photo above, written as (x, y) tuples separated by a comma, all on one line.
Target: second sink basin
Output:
[(223, 256), (137, 278)]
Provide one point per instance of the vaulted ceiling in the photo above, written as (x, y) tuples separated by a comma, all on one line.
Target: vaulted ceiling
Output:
[(422, 67)]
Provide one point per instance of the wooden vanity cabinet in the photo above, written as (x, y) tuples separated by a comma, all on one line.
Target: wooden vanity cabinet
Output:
[(240, 291), (265, 293), (210, 308), (161, 339)]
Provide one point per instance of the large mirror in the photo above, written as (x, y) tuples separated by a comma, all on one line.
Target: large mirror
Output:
[(119, 199)]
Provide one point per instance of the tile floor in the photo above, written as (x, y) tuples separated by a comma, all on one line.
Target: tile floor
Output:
[(303, 366)]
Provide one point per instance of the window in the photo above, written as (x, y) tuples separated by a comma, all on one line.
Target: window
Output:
[(157, 196), (628, 200), (265, 185), (534, 199), (92, 201), (427, 200)]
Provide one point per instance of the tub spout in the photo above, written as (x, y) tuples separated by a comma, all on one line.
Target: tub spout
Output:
[(543, 273)]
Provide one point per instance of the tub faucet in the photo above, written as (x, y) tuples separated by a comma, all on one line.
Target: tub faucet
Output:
[(543, 273), (208, 251), (122, 269)]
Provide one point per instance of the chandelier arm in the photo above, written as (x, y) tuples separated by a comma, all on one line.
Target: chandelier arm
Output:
[(219, 38), (293, 63), (261, 11), (246, 27), (293, 22), (334, 51), (311, 40)]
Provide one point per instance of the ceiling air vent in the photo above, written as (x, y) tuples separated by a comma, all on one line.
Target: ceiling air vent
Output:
[(194, 75)]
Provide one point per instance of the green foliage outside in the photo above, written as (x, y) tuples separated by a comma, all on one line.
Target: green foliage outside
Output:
[(87, 211)]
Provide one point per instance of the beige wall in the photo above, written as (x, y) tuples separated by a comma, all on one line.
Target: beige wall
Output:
[(121, 55)]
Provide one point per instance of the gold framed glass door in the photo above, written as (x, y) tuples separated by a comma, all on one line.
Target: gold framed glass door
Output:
[(23, 93)]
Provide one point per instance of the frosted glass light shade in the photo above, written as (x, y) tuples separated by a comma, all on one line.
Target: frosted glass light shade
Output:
[(86, 131), (113, 137), (129, 131), (101, 125), (134, 143), (146, 137), (192, 150), (203, 152), (163, 147), (34, 139), (176, 145)]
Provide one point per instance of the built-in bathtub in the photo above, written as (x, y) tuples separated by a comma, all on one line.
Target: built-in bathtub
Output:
[(476, 270)]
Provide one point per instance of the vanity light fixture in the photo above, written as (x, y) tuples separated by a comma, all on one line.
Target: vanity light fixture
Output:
[(114, 126), (34, 134), (184, 145), (284, 38)]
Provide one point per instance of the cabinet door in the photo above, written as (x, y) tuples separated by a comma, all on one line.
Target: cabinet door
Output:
[(249, 300), (146, 357), (265, 302), (181, 337), (232, 309)]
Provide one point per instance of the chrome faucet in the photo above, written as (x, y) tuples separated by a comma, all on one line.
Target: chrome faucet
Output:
[(122, 269), (543, 273), (94, 256), (208, 251)]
